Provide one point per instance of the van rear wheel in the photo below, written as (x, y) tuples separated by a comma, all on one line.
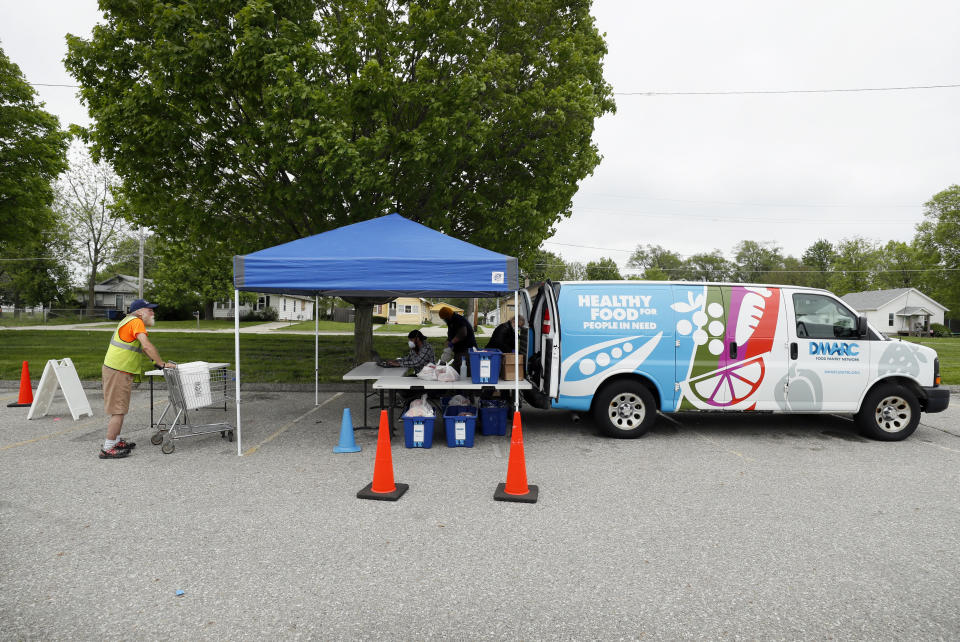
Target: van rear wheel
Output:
[(625, 409), (889, 413)]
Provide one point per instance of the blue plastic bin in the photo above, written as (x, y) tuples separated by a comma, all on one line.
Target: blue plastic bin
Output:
[(485, 366), (418, 432), (460, 430), (493, 417)]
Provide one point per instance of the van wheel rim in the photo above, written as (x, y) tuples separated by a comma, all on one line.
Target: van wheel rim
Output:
[(892, 414), (626, 411)]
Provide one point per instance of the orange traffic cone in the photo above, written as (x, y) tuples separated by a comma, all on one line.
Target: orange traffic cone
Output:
[(383, 487), (26, 392), (516, 488)]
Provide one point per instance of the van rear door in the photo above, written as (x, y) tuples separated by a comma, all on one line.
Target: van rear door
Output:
[(544, 371)]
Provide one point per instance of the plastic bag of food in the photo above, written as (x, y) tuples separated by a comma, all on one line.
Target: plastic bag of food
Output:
[(420, 408), (459, 400), (428, 372), (446, 372)]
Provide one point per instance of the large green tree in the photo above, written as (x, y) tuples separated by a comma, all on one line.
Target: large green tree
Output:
[(656, 263), (855, 266), (32, 154), (604, 269), (758, 261), (239, 124), (938, 239), (707, 266), (819, 257)]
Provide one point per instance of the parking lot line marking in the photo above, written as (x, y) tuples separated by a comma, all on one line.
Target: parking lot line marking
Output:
[(930, 443), (84, 424), (87, 422), (283, 429), (718, 445)]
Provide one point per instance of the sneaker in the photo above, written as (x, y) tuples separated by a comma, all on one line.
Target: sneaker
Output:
[(113, 453), (123, 444)]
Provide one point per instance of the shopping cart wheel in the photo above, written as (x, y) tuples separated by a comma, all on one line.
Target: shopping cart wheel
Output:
[(167, 447), (230, 435), (156, 438)]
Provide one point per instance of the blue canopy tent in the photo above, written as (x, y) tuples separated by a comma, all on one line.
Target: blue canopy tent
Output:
[(386, 257)]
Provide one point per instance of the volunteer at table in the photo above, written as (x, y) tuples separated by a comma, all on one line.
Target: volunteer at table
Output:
[(460, 337), (504, 336), (421, 353)]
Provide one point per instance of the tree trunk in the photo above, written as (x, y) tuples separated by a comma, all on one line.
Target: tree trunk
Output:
[(363, 327), (208, 309), (363, 332), (91, 295)]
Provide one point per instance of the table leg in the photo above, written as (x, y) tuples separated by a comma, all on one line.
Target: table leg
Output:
[(151, 402)]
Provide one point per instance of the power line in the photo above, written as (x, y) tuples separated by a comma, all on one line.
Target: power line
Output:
[(740, 92), (721, 92), (745, 204)]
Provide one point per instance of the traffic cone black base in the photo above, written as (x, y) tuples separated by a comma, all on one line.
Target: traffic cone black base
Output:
[(16, 404), (501, 495), (367, 493)]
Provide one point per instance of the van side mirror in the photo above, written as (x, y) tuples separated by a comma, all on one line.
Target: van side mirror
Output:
[(861, 326)]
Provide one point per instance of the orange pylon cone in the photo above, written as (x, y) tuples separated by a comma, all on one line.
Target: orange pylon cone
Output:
[(383, 487), (26, 392), (516, 488)]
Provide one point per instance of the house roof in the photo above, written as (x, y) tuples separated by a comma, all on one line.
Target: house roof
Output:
[(120, 283), (875, 299), (436, 307), (913, 311)]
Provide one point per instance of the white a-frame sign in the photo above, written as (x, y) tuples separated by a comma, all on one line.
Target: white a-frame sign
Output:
[(63, 373)]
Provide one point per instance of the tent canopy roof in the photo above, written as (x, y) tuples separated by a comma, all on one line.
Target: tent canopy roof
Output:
[(390, 255)]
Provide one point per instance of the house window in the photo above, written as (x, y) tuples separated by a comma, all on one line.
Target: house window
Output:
[(263, 302), (890, 319), (408, 309)]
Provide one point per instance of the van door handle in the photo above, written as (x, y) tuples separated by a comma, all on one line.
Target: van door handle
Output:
[(794, 352), (733, 349)]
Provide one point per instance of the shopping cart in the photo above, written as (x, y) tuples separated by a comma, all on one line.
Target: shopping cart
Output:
[(192, 389)]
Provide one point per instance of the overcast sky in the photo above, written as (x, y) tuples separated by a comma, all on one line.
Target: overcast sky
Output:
[(695, 173)]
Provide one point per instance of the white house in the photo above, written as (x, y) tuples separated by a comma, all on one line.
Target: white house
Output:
[(289, 307), (117, 292), (893, 311)]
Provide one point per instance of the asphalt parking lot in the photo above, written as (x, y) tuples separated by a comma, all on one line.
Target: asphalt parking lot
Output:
[(710, 527)]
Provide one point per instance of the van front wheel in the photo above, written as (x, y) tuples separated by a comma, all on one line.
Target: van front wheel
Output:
[(625, 409), (889, 413)]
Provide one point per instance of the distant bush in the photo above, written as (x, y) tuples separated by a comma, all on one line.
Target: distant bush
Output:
[(380, 320), (939, 330), (266, 314)]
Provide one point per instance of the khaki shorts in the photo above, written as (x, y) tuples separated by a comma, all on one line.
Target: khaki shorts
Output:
[(116, 391)]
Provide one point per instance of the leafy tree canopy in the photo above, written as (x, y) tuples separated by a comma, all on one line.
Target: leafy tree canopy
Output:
[(33, 152), (238, 124), (603, 270)]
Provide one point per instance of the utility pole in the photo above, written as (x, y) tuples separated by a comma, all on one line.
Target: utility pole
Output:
[(140, 287)]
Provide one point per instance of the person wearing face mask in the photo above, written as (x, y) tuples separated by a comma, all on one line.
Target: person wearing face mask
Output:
[(421, 353)]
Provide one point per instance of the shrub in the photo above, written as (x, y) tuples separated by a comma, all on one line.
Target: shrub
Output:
[(266, 314), (380, 320), (939, 330)]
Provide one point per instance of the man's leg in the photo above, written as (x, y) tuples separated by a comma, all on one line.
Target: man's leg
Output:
[(114, 425)]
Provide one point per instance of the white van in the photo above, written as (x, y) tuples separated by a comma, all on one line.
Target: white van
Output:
[(624, 350)]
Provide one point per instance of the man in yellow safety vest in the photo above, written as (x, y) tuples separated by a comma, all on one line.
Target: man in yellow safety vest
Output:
[(128, 355)]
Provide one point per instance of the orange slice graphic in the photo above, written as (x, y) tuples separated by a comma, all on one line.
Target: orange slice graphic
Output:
[(729, 385)]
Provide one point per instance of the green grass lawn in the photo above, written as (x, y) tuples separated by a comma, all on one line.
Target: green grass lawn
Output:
[(324, 326), (205, 324), (264, 358), (9, 321), (406, 328)]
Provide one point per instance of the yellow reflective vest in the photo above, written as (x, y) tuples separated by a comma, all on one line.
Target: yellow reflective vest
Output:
[(123, 356)]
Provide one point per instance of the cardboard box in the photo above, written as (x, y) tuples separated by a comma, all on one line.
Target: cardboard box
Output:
[(508, 366)]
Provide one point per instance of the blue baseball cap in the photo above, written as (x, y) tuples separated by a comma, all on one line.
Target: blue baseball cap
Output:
[(141, 303)]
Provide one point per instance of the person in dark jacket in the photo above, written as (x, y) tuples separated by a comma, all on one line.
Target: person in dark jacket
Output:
[(504, 336), (460, 337)]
